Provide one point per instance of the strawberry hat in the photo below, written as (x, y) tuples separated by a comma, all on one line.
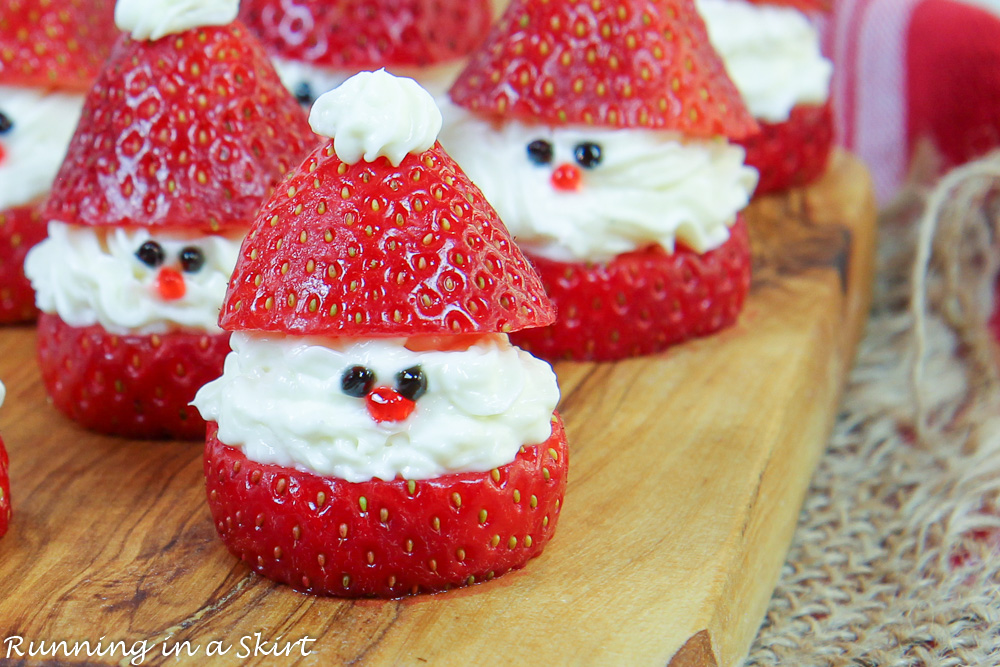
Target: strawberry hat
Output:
[(187, 126), (55, 45), (354, 35), (628, 64), (379, 233)]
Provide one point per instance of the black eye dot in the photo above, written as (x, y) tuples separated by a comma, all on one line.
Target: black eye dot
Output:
[(304, 93), (192, 259), (411, 383), (357, 381), (151, 254), (6, 124), (540, 151), (587, 155)]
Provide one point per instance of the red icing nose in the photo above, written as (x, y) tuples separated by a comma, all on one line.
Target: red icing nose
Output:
[(386, 405), (566, 177), (2, 154), (170, 284)]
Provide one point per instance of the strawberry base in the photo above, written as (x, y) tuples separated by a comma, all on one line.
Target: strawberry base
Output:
[(133, 386), (326, 536), (793, 153), (640, 302), (5, 511), (20, 229)]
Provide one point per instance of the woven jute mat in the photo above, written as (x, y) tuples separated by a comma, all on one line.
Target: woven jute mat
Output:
[(896, 560)]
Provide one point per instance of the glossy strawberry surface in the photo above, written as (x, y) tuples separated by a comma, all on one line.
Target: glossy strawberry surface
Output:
[(137, 386), (380, 538), (193, 130), (641, 302), (5, 507), (354, 35), (632, 63), (792, 153), (373, 250), (46, 44), (20, 229)]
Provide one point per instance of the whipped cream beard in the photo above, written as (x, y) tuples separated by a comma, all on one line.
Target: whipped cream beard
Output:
[(772, 54), (35, 131), (587, 194), (308, 82), (132, 281), (288, 400)]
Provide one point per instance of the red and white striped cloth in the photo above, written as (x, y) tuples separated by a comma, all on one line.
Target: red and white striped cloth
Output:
[(906, 69)]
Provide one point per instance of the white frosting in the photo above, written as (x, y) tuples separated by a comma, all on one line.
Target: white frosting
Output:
[(149, 20), (3, 393), (436, 79), (92, 276), (280, 401), (34, 147), (772, 54), (651, 187), (376, 114)]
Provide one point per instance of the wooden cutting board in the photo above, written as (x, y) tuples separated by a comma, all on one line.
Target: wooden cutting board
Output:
[(687, 474)]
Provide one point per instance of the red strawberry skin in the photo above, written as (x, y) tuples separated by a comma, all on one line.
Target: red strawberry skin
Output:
[(793, 153), (131, 386), (47, 44), (20, 229), (193, 130), (632, 63), (384, 539), (352, 35), (5, 511), (641, 302), (370, 250)]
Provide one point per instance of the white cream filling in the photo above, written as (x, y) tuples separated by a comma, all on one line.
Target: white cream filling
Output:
[(35, 145), (772, 54), (93, 276), (435, 79), (651, 187), (280, 400), (149, 20), (376, 114)]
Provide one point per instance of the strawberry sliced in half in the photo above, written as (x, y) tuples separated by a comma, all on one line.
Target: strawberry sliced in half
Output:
[(793, 153), (641, 302), (20, 229), (386, 539), (134, 386)]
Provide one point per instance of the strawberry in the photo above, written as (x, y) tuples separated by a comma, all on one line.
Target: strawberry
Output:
[(641, 302), (386, 538), (373, 250), (792, 153), (352, 35), (636, 63), (4, 490), (45, 44), (192, 130), (20, 229), (132, 386)]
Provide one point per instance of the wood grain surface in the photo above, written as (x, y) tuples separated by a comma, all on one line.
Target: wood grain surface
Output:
[(687, 474)]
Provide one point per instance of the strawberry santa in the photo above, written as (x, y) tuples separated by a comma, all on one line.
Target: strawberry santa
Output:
[(4, 479), (185, 132), (772, 53), (375, 433), (597, 130), (317, 44), (49, 54)]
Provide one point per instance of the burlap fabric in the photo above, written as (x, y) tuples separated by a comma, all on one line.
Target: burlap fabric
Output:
[(896, 558)]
